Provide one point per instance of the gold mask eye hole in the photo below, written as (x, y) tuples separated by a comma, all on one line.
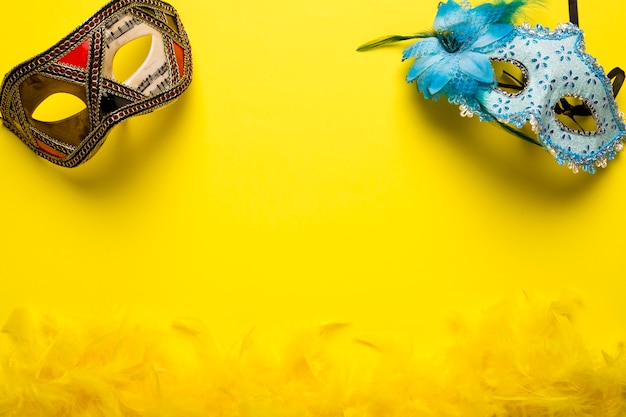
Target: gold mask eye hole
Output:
[(131, 57), (57, 107)]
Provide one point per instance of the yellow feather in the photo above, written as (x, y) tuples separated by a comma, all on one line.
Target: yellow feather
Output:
[(520, 357)]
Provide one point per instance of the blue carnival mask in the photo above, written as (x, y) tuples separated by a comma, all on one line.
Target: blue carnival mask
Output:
[(516, 75)]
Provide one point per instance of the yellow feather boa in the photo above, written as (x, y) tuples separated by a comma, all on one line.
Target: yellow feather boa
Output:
[(520, 358)]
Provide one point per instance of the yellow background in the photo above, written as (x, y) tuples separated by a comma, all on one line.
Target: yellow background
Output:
[(298, 181)]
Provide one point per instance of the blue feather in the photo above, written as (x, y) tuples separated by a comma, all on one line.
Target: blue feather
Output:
[(477, 66), (422, 64), (493, 34)]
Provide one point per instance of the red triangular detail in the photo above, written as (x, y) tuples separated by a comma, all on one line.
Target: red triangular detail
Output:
[(180, 59), (78, 57), (49, 150)]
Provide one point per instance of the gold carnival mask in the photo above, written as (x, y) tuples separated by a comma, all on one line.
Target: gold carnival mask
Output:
[(81, 64)]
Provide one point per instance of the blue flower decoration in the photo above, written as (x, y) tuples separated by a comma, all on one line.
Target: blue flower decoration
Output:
[(454, 61)]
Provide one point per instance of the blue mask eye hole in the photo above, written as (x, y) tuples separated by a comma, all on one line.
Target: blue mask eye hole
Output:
[(511, 76), (576, 115)]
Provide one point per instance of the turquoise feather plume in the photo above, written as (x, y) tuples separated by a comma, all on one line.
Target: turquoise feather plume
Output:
[(452, 59)]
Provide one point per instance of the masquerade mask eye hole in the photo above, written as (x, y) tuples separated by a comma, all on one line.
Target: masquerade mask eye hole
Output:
[(43, 100), (575, 114), (131, 57), (57, 107), (510, 76)]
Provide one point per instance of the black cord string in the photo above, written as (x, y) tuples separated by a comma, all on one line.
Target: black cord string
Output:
[(616, 75), (573, 12)]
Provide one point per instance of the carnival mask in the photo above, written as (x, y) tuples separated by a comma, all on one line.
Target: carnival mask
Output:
[(516, 75), (81, 64)]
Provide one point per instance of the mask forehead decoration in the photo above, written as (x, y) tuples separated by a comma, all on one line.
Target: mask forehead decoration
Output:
[(81, 65), (516, 75)]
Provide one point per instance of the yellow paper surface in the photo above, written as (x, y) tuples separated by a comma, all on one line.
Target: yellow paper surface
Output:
[(298, 182)]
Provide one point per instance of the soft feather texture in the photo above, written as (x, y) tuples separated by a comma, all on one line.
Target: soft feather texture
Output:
[(521, 357)]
